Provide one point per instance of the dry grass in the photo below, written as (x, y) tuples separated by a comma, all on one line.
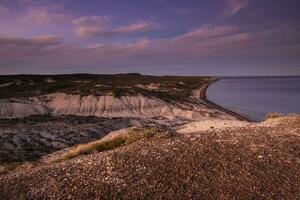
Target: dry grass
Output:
[(104, 144), (3, 169), (9, 167), (273, 115), (115, 141)]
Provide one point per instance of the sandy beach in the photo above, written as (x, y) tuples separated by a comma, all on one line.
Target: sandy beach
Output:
[(201, 93)]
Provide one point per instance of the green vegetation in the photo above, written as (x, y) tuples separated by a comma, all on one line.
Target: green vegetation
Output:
[(168, 87), (114, 141)]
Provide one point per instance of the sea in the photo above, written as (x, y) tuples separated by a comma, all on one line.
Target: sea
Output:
[(255, 97)]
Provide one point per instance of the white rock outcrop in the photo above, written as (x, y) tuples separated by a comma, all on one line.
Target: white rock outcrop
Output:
[(11, 108), (100, 106)]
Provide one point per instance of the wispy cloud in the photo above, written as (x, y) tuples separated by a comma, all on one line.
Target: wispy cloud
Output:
[(43, 3), (44, 12), (206, 32), (36, 15), (42, 40), (17, 48), (97, 26), (208, 41), (234, 6), (31, 14), (91, 21), (44, 16)]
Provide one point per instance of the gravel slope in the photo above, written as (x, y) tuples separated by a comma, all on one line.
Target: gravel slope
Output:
[(251, 162)]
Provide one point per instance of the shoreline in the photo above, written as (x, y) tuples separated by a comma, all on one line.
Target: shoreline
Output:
[(213, 105)]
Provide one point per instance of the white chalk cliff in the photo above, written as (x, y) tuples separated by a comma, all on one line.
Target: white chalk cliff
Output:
[(100, 106)]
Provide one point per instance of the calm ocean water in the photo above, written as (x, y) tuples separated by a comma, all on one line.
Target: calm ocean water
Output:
[(255, 97)]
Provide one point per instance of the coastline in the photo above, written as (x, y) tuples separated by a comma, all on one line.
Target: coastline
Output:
[(213, 105)]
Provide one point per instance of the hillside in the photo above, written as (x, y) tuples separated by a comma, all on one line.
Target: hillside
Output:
[(130, 136), (36, 111), (164, 87), (124, 95), (29, 138), (255, 161)]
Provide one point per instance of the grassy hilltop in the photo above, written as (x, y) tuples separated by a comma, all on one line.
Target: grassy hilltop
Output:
[(164, 87)]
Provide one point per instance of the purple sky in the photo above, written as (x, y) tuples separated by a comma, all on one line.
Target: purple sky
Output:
[(180, 37)]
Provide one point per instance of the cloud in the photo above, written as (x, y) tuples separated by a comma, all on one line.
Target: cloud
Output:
[(207, 42), (137, 27), (49, 16), (47, 40), (16, 48), (40, 12), (44, 16), (97, 27), (91, 20), (43, 3), (200, 43), (205, 32), (42, 40), (234, 6)]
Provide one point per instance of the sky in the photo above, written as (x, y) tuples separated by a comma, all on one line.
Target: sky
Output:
[(159, 37)]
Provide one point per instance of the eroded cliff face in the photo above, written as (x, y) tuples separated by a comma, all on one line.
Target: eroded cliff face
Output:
[(28, 139), (11, 108), (102, 106), (106, 106)]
